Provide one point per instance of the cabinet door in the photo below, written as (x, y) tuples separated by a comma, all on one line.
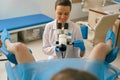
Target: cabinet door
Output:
[(76, 1)]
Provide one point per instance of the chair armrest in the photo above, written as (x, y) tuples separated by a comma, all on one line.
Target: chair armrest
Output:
[(91, 28), (82, 22), (85, 23)]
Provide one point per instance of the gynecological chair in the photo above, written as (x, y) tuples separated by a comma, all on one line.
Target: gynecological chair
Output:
[(98, 32), (44, 70)]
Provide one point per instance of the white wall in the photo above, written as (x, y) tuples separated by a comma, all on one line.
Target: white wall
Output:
[(16, 8)]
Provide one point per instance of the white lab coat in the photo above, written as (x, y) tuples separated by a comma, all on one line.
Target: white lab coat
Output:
[(50, 36)]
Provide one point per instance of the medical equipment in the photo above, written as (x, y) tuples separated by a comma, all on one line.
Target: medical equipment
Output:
[(21, 23), (20, 26), (64, 38)]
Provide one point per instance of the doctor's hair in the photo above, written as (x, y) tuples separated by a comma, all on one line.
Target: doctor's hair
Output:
[(63, 3), (73, 74)]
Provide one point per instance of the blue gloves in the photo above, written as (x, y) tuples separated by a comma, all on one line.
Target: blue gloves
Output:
[(79, 44), (57, 49), (76, 43)]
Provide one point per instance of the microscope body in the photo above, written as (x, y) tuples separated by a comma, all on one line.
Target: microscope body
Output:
[(64, 38)]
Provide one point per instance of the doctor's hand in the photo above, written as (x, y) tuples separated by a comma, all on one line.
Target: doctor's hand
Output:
[(57, 49), (79, 44)]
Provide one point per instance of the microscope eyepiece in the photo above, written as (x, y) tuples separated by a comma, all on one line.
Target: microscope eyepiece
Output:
[(66, 26), (59, 25)]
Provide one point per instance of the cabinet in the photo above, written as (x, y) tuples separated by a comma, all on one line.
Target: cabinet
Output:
[(76, 1)]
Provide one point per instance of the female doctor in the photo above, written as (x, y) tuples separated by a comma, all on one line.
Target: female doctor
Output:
[(51, 33)]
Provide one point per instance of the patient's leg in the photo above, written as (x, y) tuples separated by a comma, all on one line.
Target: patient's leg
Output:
[(102, 49), (20, 51), (117, 79)]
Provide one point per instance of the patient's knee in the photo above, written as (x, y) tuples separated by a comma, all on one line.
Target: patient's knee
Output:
[(101, 46), (99, 51), (19, 46)]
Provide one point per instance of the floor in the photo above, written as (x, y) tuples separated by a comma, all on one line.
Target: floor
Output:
[(37, 53)]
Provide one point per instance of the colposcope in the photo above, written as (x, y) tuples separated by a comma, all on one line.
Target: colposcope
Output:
[(64, 38)]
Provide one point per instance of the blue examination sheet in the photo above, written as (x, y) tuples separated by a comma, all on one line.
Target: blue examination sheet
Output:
[(24, 21), (44, 70)]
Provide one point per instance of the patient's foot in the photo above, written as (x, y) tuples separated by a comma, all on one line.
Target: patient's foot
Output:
[(4, 36), (112, 55), (110, 36)]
